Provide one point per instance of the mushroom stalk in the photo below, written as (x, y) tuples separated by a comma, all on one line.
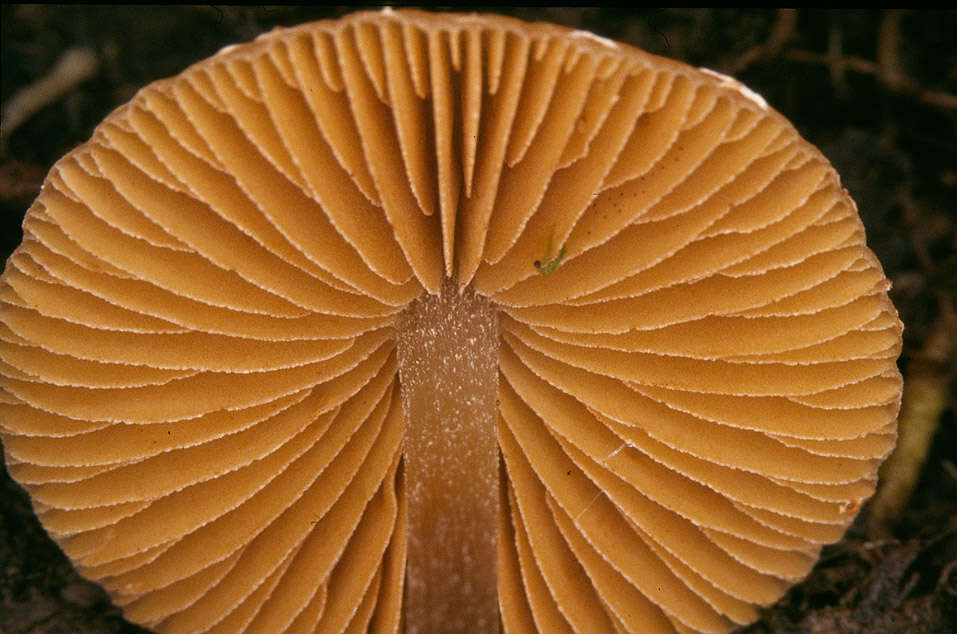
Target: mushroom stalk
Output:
[(448, 346)]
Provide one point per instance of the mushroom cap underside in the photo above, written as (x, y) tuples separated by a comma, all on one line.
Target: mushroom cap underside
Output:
[(696, 362)]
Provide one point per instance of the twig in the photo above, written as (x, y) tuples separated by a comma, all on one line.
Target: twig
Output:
[(945, 575), (916, 230), (888, 50), (835, 53), (782, 31), (74, 67), (926, 396), (950, 469), (907, 86)]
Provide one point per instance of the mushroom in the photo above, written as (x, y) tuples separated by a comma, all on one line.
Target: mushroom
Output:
[(445, 321)]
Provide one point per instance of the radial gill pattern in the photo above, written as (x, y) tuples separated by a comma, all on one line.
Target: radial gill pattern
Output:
[(696, 353)]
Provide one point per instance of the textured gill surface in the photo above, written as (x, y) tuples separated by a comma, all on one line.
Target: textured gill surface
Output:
[(200, 381), (448, 355)]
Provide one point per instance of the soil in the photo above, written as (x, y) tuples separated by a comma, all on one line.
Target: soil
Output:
[(875, 90)]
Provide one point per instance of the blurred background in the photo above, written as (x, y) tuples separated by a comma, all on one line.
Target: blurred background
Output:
[(875, 90)]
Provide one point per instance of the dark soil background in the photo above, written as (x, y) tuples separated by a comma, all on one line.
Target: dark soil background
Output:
[(875, 90)]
